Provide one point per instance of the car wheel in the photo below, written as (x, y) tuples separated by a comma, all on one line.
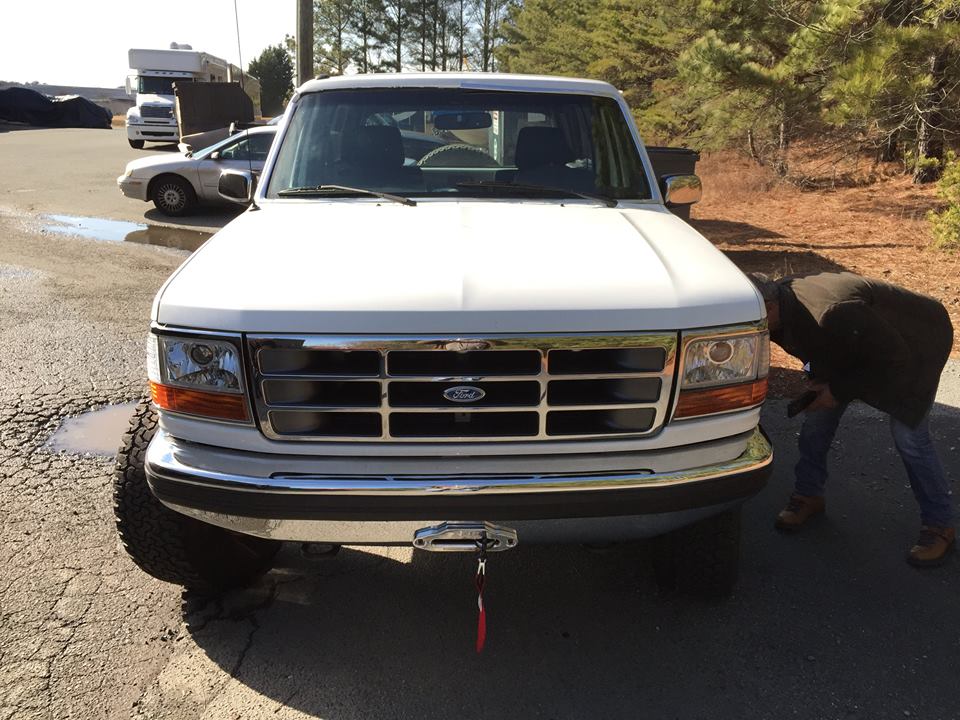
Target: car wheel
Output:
[(703, 559), (136, 144), (170, 546), (172, 195)]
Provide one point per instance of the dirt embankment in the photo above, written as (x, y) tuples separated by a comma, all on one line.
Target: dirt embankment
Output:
[(877, 229)]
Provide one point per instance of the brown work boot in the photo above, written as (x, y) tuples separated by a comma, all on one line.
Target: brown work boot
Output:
[(800, 509), (933, 546)]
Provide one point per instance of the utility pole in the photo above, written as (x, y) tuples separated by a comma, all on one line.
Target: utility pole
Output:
[(304, 41)]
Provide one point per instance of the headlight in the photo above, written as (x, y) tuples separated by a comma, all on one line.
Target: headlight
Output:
[(723, 360), (197, 375), (723, 372)]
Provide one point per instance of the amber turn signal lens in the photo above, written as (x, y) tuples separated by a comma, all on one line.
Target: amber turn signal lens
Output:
[(222, 406), (720, 399)]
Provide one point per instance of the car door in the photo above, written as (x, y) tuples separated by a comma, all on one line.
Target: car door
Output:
[(245, 153)]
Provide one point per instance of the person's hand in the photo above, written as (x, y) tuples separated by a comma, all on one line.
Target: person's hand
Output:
[(825, 399)]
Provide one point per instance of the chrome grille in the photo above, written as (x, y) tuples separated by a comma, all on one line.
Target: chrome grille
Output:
[(155, 111), (438, 389)]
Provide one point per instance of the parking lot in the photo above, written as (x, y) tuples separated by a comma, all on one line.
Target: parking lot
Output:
[(831, 623)]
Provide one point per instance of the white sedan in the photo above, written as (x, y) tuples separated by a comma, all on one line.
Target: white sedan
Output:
[(177, 184)]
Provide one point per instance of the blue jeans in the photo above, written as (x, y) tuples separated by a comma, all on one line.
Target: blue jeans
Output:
[(927, 479)]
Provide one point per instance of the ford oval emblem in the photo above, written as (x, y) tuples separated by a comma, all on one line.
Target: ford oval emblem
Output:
[(464, 394)]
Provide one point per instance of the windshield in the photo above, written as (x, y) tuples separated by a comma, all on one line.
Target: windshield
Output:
[(454, 142), (153, 85)]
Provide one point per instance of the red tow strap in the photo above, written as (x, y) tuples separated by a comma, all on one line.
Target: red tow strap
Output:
[(482, 616)]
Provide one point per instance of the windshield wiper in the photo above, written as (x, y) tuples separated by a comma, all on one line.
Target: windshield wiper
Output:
[(502, 185), (321, 190)]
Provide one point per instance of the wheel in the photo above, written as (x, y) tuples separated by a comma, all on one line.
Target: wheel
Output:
[(458, 155), (172, 195), (136, 144), (170, 546), (702, 559)]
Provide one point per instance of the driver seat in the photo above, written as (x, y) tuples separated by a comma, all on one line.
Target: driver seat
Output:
[(542, 157), (373, 158)]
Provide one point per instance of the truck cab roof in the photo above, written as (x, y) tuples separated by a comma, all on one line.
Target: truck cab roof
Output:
[(467, 81)]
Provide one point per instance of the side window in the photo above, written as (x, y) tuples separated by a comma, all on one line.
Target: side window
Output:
[(237, 151), (259, 146)]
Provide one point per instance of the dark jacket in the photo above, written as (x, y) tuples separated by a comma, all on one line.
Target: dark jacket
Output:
[(869, 340)]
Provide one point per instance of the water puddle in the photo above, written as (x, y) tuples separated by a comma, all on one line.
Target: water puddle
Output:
[(97, 432), (123, 231)]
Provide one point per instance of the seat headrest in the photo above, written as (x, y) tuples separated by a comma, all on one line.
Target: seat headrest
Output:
[(376, 145), (542, 146)]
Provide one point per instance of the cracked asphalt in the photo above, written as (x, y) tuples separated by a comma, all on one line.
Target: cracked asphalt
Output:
[(827, 624)]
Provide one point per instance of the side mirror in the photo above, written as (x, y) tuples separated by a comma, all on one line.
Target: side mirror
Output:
[(129, 86), (681, 189), (236, 186), (215, 155)]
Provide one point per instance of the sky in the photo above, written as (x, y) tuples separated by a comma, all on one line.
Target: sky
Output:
[(72, 42)]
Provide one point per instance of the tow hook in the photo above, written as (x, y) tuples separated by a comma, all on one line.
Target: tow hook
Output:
[(464, 537)]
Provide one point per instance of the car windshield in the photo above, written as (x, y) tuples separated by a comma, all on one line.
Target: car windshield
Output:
[(152, 85), (460, 143)]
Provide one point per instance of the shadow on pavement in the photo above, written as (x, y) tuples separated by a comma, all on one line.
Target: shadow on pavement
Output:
[(6, 127), (828, 623), (205, 216), (165, 147)]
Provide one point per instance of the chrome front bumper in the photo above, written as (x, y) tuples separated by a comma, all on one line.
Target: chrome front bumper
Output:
[(386, 510)]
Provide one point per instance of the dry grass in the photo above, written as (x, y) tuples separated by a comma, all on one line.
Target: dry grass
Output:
[(877, 229), (119, 121)]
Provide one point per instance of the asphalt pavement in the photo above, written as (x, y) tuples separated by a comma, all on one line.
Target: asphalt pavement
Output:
[(830, 623)]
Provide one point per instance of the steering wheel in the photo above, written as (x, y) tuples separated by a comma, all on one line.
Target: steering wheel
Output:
[(458, 155)]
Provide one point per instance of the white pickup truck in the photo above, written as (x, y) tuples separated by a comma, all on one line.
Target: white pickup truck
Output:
[(458, 314)]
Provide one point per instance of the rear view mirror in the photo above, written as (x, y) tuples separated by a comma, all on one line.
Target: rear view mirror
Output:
[(681, 189), (236, 186), (462, 120)]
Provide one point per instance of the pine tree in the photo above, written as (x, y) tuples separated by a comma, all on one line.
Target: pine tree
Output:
[(550, 37), (334, 45), (900, 83), (394, 30), (761, 68), (459, 32), (367, 27)]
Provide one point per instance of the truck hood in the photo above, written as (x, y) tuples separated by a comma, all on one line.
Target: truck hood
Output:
[(358, 266)]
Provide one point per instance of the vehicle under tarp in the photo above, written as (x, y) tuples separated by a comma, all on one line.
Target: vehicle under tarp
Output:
[(23, 105)]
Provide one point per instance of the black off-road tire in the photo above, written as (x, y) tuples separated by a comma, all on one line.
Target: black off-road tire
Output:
[(170, 546), (135, 144), (701, 560), (172, 195)]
